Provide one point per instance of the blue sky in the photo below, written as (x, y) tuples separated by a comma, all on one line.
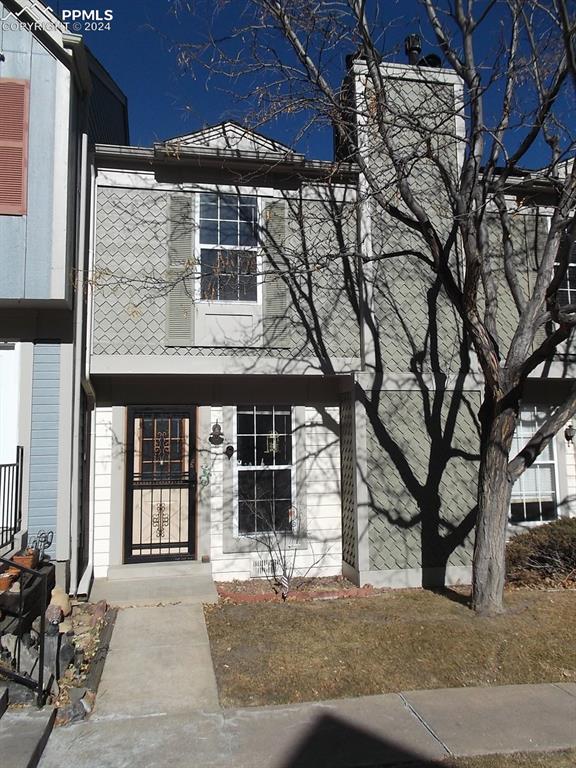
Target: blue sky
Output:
[(165, 101)]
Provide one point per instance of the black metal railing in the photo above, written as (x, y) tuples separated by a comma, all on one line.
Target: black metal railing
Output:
[(11, 500), (18, 608)]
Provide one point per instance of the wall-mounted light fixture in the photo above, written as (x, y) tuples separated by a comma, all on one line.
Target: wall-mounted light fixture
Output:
[(229, 451), (216, 436), (569, 433)]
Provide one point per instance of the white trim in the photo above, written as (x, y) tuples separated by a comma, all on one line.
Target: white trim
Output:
[(292, 467), (62, 188), (198, 247), (65, 445), (309, 190)]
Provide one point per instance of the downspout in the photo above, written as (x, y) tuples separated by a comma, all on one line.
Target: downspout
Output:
[(85, 581), (79, 347)]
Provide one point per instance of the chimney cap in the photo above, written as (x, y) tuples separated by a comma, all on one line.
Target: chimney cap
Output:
[(413, 48)]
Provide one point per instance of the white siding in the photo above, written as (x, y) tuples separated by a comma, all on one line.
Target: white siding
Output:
[(321, 472), (102, 498), (570, 473), (9, 403)]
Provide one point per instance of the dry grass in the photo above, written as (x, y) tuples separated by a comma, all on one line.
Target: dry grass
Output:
[(564, 759), (272, 653)]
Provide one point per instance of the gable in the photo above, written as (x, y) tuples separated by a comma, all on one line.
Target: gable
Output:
[(232, 137)]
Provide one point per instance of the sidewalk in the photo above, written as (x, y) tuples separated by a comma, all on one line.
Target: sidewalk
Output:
[(157, 706)]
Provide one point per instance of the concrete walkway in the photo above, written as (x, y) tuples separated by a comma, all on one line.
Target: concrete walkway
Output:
[(159, 663), (420, 728), (157, 706)]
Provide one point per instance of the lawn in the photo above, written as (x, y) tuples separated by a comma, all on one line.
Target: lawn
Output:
[(564, 759), (276, 653)]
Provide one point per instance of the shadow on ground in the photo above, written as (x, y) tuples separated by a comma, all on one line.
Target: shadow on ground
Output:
[(334, 743)]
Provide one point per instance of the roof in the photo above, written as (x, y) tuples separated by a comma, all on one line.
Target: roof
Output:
[(230, 136)]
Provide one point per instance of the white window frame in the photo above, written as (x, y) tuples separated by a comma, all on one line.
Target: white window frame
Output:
[(198, 246), (235, 468), (538, 462), (566, 285)]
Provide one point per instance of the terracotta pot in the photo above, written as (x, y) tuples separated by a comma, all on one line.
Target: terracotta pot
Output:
[(28, 559), (6, 580)]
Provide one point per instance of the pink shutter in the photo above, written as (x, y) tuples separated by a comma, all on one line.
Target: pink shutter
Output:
[(14, 99)]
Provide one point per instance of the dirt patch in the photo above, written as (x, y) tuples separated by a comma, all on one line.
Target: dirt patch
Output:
[(276, 653), (304, 589)]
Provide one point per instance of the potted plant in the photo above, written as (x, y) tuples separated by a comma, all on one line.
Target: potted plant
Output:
[(28, 558), (6, 579)]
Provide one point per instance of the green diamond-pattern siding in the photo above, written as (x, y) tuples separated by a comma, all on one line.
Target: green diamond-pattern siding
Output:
[(395, 530), (417, 326), (130, 287), (317, 234)]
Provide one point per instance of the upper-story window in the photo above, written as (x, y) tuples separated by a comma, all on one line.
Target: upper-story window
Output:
[(14, 97), (228, 247)]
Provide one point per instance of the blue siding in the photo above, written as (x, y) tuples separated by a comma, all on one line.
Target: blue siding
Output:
[(26, 241), (44, 440)]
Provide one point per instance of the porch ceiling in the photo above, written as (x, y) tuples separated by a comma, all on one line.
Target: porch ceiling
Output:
[(218, 390)]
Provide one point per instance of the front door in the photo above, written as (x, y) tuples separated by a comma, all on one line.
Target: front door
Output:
[(160, 485)]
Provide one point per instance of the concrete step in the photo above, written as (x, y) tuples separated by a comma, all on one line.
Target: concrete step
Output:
[(189, 568), (3, 699), (145, 585), (23, 736)]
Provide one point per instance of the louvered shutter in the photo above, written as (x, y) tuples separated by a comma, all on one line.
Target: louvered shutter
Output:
[(180, 297), (14, 99), (275, 321)]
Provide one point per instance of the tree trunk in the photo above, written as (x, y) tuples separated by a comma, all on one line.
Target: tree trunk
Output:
[(494, 491)]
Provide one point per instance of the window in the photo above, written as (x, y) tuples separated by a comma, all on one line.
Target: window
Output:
[(14, 96), (264, 461), (160, 454), (534, 493), (567, 290), (228, 254)]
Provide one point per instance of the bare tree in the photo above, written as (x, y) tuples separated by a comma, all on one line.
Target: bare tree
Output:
[(447, 173)]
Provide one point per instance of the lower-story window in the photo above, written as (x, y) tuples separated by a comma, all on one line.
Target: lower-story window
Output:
[(264, 461), (534, 494)]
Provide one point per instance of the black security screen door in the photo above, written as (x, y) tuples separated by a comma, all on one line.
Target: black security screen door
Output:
[(161, 484)]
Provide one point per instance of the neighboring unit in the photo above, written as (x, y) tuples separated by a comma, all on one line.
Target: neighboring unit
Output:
[(55, 100)]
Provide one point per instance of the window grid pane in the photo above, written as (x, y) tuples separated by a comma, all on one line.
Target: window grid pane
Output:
[(264, 459), (228, 222), (534, 494), (567, 290)]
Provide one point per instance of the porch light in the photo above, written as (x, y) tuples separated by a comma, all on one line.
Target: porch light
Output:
[(216, 436), (272, 442), (569, 433)]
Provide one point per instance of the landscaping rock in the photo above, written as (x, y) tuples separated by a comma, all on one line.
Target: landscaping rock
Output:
[(28, 660), (67, 652), (66, 627), (76, 694), (98, 612), (71, 713), (61, 599), (8, 642)]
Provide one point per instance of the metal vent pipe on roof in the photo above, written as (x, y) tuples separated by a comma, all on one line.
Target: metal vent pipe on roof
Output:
[(413, 48)]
